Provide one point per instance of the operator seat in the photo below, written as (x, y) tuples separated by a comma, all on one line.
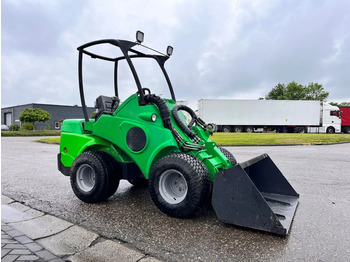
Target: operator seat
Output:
[(106, 105)]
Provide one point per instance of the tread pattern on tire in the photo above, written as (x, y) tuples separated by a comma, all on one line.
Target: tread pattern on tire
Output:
[(197, 178), (228, 155), (107, 180), (114, 174)]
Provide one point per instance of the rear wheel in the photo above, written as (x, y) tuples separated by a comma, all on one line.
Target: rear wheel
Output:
[(179, 184), (300, 130), (237, 129), (94, 177), (226, 129), (249, 129)]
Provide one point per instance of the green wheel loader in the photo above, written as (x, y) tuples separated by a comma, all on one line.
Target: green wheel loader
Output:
[(147, 139)]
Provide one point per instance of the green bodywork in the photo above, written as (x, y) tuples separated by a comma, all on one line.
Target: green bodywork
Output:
[(109, 134)]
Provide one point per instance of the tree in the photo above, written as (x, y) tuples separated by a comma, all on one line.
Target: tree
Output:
[(295, 91), (277, 93), (340, 104), (31, 115), (315, 91)]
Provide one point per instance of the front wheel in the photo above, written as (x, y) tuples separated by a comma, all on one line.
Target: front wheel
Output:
[(228, 155), (179, 184), (330, 130)]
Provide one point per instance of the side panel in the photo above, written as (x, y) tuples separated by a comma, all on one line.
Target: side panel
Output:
[(143, 140), (73, 145), (345, 115), (259, 112), (330, 118)]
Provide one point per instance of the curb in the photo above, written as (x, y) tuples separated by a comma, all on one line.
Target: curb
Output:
[(31, 235)]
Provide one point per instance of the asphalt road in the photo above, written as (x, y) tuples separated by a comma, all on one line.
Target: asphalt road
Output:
[(320, 231)]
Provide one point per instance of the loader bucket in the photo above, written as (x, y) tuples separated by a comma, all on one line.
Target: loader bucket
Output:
[(256, 195)]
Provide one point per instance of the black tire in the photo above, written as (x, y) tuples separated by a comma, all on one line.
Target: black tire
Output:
[(114, 173), (346, 130), (237, 129), (300, 130), (228, 155), (179, 184), (249, 129), (212, 127), (93, 177), (330, 130), (226, 129)]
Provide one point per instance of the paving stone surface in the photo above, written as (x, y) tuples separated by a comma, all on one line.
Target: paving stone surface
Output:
[(15, 246), (70, 241), (34, 228), (30, 235)]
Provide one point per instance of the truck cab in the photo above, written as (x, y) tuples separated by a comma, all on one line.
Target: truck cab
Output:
[(330, 119)]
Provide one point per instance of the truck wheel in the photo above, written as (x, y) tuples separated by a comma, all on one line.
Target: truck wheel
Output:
[(300, 130), (226, 129), (237, 129), (212, 127), (179, 184), (330, 130), (93, 177), (249, 129), (346, 130), (228, 155)]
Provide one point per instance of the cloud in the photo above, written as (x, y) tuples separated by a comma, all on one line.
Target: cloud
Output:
[(226, 49)]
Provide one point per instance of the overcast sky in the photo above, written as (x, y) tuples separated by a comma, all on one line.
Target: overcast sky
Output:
[(222, 49)]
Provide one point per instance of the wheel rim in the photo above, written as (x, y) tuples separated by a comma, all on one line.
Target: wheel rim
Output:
[(172, 186), (86, 177)]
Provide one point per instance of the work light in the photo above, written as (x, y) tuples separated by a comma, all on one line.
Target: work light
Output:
[(169, 50), (139, 37)]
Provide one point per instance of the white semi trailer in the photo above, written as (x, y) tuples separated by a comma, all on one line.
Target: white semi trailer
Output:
[(298, 116)]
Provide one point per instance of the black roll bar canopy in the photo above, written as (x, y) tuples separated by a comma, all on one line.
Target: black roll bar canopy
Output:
[(126, 47)]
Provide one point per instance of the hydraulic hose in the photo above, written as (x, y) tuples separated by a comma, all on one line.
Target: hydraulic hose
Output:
[(163, 109), (179, 122), (165, 114)]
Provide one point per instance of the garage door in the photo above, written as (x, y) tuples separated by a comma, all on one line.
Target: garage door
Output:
[(8, 119)]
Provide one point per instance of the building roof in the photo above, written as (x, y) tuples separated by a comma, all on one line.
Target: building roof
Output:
[(41, 104)]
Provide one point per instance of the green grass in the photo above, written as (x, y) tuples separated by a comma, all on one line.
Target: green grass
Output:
[(262, 139), (52, 140), (278, 138), (32, 133)]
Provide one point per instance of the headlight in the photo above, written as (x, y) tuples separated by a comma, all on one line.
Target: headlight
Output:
[(154, 117)]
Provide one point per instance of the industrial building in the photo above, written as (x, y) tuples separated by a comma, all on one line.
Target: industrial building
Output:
[(10, 115)]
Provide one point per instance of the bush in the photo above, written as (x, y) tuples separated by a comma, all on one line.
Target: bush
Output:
[(33, 133), (27, 126), (14, 127)]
